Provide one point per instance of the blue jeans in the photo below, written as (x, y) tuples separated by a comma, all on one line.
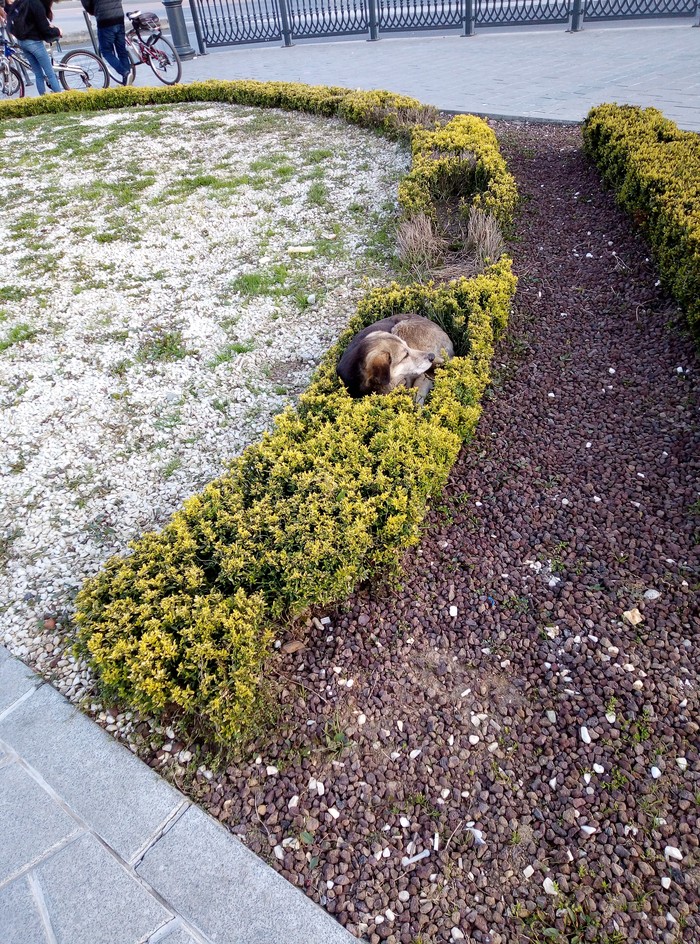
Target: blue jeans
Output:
[(40, 61), (112, 40)]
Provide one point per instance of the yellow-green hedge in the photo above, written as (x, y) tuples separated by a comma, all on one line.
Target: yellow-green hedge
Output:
[(654, 167), (181, 626), (459, 160)]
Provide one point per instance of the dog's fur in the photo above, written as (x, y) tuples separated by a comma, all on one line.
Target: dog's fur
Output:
[(402, 349)]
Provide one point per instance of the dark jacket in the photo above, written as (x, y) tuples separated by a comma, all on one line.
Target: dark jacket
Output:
[(35, 24), (106, 12)]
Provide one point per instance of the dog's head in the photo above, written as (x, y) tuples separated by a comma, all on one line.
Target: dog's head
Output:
[(380, 362)]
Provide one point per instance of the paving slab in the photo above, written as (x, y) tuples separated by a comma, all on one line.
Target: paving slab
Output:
[(20, 921), (218, 884), (15, 680), (117, 795), (178, 936), (92, 899), (31, 823)]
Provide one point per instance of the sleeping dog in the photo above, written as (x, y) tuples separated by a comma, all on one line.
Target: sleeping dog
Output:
[(403, 349)]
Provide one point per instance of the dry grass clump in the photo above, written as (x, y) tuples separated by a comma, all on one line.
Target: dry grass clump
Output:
[(444, 252), (420, 248), (484, 240)]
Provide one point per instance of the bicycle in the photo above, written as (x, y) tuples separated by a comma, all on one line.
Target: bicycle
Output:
[(11, 78), (152, 50), (77, 71)]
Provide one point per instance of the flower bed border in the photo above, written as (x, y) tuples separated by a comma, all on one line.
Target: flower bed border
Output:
[(654, 168), (181, 627)]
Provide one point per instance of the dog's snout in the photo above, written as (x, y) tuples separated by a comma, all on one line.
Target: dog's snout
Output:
[(431, 357)]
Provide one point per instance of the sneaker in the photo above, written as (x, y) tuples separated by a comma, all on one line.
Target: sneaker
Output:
[(128, 79)]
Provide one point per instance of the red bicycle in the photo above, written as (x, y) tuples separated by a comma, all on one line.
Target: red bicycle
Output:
[(147, 46)]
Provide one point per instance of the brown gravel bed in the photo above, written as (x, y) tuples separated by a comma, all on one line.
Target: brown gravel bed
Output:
[(491, 738)]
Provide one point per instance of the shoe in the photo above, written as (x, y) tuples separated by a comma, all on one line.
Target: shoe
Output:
[(129, 80)]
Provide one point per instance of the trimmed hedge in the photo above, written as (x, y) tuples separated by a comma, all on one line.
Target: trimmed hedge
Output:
[(460, 160), (182, 625), (654, 167)]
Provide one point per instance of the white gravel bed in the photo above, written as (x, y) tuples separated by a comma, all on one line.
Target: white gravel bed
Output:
[(153, 321)]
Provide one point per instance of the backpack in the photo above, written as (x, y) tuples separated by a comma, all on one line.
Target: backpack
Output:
[(17, 16)]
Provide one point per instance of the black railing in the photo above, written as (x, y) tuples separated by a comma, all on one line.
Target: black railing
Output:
[(227, 22)]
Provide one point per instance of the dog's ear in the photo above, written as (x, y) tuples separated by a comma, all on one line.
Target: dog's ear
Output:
[(378, 371)]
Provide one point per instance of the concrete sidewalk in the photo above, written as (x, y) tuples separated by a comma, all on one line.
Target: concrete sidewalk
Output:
[(534, 73), (95, 848)]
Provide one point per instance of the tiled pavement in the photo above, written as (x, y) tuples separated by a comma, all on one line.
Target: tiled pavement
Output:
[(95, 848), (536, 73)]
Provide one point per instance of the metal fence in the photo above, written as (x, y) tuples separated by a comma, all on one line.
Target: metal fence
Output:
[(227, 22)]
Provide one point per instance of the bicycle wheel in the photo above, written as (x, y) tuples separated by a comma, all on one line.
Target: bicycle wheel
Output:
[(11, 83), (116, 77), (164, 61), (81, 70)]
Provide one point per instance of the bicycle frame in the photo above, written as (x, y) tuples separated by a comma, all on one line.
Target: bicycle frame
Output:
[(11, 55)]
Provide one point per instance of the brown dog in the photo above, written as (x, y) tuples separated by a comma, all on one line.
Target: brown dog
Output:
[(402, 349)]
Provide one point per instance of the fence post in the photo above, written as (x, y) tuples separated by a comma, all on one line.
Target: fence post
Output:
[(284, 22), (697, 13), (194, 10), (373, 25), (178, 29), (576, 17), (91, 33), (468, 27)]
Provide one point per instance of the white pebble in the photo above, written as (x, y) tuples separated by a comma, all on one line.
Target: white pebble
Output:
[(588, 830), (651, 594), (585, 736), (389, 914), (294, 802), (598, 768), (550, 887), (586, 778), (553, 782), (361, 719), (551, 716), (415, 753), (473, 739), (405, 822), (666, 882), (655, 772), (611, 716), (279, 852), (682, 763), (528, 871), (456, 934), (320, 789), (271, 771), (404, 896), (671, 852), (334, 813), (453, 611)]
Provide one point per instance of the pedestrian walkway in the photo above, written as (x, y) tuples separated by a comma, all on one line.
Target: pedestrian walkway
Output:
[(95, 848), (533, 73)]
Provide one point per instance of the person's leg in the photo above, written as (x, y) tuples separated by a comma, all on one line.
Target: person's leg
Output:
[(27, 47), (105, 40), (121, 50), (44, 59)]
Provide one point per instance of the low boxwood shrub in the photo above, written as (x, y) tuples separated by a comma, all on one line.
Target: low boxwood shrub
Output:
[(181, 626), (654, 168), (460, 160)]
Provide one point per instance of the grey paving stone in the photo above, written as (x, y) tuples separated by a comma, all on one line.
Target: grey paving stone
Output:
[(116, 794), (19, 918), (15, 679), (30, 821), (230, 894), (178, 936), (91, 899)]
